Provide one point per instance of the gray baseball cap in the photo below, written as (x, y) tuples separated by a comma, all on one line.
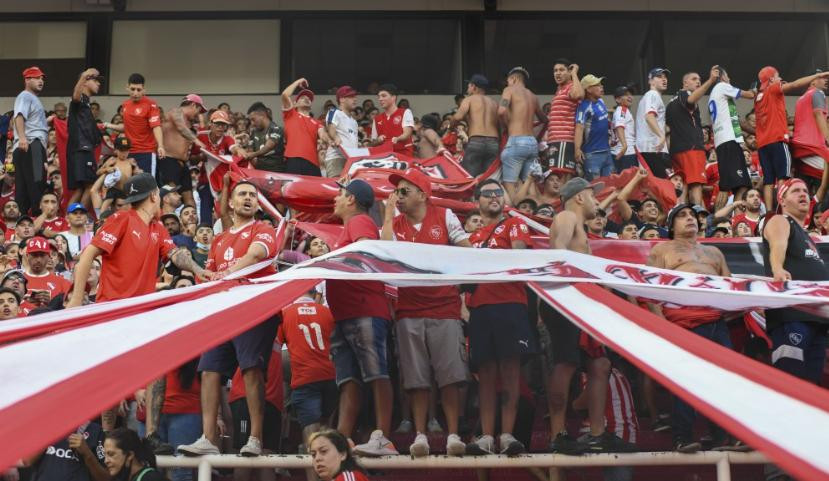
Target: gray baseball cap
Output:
[(576, 185)]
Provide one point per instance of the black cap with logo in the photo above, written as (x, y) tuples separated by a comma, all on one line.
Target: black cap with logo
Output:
[(139, 187)]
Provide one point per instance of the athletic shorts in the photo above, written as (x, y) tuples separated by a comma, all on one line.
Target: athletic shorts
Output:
[(358, 349), (776, 162), (334, 165), (564, 337), (271, 430), (499, 332), (731, 165), (479, 154), (249, 349), (626, 162), (271, 164), (518, 157), (658, 162), (799, 348), (80, 169), (562, 155), (314, 402), (690, 165), (424, 345), (172, 171), (146, 161), (300, 166)]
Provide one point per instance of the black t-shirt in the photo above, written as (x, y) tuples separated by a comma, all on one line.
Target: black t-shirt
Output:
[(82, 128), (60, 463), (685, 124)]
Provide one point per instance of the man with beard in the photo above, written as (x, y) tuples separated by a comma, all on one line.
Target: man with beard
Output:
[(267, 140), (561, 124), (176, 126), (30, 137), (11, 212), (648, 211), (751, 209), (15, 280), (42, 284), (84, 138), (481, 112)]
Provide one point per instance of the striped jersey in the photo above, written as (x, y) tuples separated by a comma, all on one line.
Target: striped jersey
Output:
[(561, 121)]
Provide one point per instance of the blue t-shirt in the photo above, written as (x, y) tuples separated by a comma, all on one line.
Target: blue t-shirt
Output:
[(593, 115)]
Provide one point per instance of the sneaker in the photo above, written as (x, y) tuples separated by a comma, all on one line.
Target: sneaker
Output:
[(566, 444), (434, 426), (201, 447), (686, 446), (482, 446), (420, 446), (159, 447), (607, 443), (405, 427), (660, 425), (377, 445), (510, 446), (252, 448), (734, 445), (454, 445)]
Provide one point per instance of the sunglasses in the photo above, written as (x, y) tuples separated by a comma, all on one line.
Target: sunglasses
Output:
[(404, 191), (492, 193)]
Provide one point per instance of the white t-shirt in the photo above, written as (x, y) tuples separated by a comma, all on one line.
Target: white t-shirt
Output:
[(724, 117), (622, 117), (408, 121), (347, 129), (646, 140)]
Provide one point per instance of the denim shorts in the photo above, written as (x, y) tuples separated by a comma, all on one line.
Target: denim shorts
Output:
[(597, 164), (249, 349), (358, 349), (314, 402), (480, 152), (518, 157)]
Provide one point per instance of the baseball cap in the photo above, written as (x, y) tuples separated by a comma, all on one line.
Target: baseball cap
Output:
[(479, 80), (139, 187), (622, 90), (576, 185), (413, 176), (220, 116), (657, 71), (305, 93), (123, 143), (167, 189), (721, 229), (765, 74), (672, 214), (33, 72), (74, 207), (38, 244), (646, 228), (344, 92), (591, 80), (15, 272), (196, 99), (170, 216), (520, 70), (362, 192), (698, 209)]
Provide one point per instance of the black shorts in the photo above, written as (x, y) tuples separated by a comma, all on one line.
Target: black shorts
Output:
[(659, 163), (731, 164), (271, 431), (776, 161), (499, 332), (146, 161), (172, 171), (562, 155), (249, 349), (564, 336), (80, 169), (300, 166)]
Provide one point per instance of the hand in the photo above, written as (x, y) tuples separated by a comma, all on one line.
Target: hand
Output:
[(226, 179), (661, 144), (394, 140), (715, 72), (90, 72), (161, 152), (52, 118), (78, 443), (73, 302), (620, 154), (200, 144), (391, 203), (23, 144), (302, 83), (579, 156), (781, 275), (205, 275), (140, 397), (739, 204), (642, 173), (381, 138), (219, 275), (41, 297), (123, 408), (573, 68)]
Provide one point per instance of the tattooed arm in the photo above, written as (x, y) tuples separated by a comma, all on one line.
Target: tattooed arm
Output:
[(155, 400), (184, 260)]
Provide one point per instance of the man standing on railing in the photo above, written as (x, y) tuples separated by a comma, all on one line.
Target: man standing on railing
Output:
[(395, 124), (300, 130), (481, 112), (30, 138)]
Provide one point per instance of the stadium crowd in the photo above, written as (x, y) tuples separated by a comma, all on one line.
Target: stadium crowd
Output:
[(127, 210)]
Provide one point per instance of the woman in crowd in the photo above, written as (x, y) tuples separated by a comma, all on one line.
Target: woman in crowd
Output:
[(332, 458), (129, 458)]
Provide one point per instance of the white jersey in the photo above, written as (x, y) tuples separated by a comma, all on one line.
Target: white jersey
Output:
[(347, 129), (724, 117), (646, 139), (622, 117)]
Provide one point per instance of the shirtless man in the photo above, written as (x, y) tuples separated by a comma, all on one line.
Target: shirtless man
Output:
[(519, 107), (178, 140), (684, 253), (578, 198), (481, 112)]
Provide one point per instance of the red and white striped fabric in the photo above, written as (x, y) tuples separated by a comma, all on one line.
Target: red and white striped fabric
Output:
[(620, 412)]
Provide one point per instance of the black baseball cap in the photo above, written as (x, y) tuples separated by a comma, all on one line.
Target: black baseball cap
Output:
[(25, 217), (657, 71), (139, 187), (672, 214), (479, 81), (622, 90), (361, 190), (122, 143), (171, 216)]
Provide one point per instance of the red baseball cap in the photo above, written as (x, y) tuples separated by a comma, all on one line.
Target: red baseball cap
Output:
[(38, 244), (305, 93), (766, 73), (196, 99), (346, 91), (415, 177), (33, 72)]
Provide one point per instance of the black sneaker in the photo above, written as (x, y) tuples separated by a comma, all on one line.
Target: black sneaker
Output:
[(608, 443), (734, 445), (159, 447), (686, 446), (566, 444), (660, 425)]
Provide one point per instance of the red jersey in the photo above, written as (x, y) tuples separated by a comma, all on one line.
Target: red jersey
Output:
[(770, 112), (177, 399), (500, 235), (231, 245), (274, 393), (139, 120), (49, 281), (392, 126), (441, 302), (561, 120), (132, 250), (306, 328), (301, 135), (350, 299), (58, 224), (351, 476), (712, 178), (690, 317), (222, 147)]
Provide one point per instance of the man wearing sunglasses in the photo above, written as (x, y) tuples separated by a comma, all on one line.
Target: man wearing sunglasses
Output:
[(428, 325), (499, 329)]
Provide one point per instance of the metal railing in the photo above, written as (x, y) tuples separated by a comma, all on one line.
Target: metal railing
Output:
[(722, 461)]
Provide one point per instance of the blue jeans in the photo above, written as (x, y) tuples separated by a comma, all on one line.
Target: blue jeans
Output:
[(178, 429), (684, 414), (597, 164), (518, 157)]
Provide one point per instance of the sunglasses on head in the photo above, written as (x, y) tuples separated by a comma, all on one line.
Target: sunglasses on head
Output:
[(492, 193)]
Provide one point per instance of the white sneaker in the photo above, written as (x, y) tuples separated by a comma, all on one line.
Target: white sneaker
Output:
[(420, 446), (454, 445), (201, 447), (511, 446), (377, 445), (405, 427), (252, 448), (433, 426), (482, 446)]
